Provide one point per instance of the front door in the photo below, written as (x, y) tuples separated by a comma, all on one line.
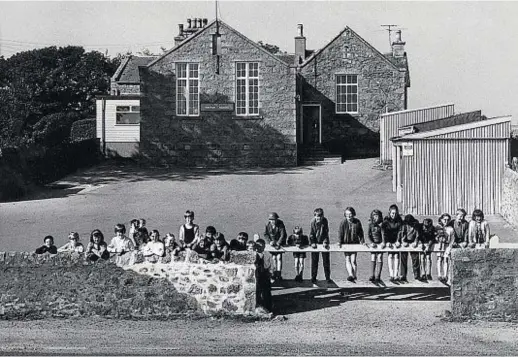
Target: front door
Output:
[(311, 131)]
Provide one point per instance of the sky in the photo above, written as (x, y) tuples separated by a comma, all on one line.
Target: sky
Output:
[(459, 52)]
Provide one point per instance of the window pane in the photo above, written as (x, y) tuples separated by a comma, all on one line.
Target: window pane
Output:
[(127, 118), (123, 109), (135, 108), (181, 70)]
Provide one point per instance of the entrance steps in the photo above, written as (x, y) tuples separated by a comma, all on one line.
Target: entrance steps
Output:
[(318, 155)]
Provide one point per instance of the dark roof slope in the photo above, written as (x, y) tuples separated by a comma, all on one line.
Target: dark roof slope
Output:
[(128, 69), (288, 58), (458, 119)]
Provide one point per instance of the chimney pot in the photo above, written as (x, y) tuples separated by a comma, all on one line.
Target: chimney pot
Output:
[(398, 36), (189, 23), (205, 22), (180, 29), (398, 46), (200, 22), (194, 23), (300, 30)]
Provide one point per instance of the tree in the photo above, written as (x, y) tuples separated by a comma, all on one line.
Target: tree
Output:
[(40, 83)]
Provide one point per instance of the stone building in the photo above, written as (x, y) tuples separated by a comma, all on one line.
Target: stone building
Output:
[(220, 99)]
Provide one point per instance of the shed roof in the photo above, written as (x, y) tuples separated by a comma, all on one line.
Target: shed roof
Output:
[(453, 129), (456, 119), (127, 72)]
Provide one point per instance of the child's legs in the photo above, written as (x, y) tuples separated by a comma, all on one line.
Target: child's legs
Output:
[(314, 265), (379, 265), (301, 264), (390, 261), (428, 261), (403, 265), (348, 265), (396, 264), (326, 262), (354, 266), (278, 262), (445, 266), (439, 265), (373, 264), (415, 264)]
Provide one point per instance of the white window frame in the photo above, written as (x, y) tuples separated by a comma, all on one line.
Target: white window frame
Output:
[(133, 109), (247, 79), (188, 80), (346, 85)]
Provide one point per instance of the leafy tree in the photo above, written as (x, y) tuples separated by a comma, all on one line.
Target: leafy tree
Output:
[(37, 85)]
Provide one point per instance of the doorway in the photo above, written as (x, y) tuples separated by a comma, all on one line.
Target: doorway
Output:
[(311, 125)]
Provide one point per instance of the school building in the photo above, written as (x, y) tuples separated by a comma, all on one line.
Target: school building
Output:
[(218, 98), (449, 163)]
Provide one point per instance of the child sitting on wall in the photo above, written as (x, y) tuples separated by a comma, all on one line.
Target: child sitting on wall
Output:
[(97, 248), (171, 245), (264, 266), (478, 230), (299, 240), (154, 249), (220, 249), (48, 246), (120, 244), (73, 244), (239, 244)]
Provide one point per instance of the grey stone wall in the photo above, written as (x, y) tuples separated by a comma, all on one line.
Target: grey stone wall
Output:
[(379, 83), (219, 138), (133, 89), (509, 206), (485, 284)]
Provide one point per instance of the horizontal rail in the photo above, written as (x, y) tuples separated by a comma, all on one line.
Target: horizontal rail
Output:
[(351, 248)]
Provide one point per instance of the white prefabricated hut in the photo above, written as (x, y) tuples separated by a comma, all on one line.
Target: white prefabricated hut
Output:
[(447, 168), (118, 125), (391, 122)]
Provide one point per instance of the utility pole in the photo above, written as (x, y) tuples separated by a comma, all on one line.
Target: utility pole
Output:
[(389, 30)]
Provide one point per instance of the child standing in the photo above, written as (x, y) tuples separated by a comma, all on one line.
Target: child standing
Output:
[(376, 238), (410, 236), (427, 239), (73, 244), (460, 230), (444, 237), (133, 231), (275, 234), (154, 249), (48, 246), (319, 234), (390, 229), (263, 273), (299, 240), (189, 232), (97, 248), (478, 231), (120, 244), (350, 232)]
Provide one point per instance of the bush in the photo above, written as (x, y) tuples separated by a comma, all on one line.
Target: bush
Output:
[(83, 130), (12, 184)]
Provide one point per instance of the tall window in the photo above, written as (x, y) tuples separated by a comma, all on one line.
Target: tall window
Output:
[(127, 114), (247, 88), (347, 93), (187, 89)]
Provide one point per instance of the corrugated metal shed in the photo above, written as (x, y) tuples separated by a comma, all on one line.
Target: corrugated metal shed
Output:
[(454, 167), (391, 122)]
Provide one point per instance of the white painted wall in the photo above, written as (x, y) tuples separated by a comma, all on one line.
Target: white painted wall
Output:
[(118, 133)]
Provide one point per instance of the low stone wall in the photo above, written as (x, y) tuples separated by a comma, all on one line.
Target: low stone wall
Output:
[(509, 208), (485, 284), (65, 285)]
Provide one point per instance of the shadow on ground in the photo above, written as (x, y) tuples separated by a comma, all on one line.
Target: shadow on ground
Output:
[(306, 298)]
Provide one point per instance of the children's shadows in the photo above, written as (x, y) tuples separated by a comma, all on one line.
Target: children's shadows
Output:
[(290, 297)]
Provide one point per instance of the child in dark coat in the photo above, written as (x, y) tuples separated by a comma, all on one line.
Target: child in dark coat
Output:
[(375, 238), (299, 240), (427, 239), (410, 236)]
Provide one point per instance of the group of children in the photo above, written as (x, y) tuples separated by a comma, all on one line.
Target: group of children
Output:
[(392, 231)]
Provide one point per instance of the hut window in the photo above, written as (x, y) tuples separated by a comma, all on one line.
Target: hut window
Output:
[(247, 88), (187, 89), (127, 114), (346, 93)]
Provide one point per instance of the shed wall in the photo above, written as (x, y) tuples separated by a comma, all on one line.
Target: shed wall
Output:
[(443, 175), (391, 122), (117, 133)]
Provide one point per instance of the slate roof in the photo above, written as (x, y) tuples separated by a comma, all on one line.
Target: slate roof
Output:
[(128, 69), (457, 119)]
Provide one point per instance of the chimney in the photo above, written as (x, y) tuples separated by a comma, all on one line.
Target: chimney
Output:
[(300, 45), (200, 23), (205, 22), (189, 23), (398, 46), (178, 39)]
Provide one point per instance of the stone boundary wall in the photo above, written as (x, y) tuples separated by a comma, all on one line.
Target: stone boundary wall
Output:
[(66, 285), (509, 207), (485, 284)]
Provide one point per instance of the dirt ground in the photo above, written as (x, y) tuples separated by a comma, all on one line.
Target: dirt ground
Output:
[(333, 319)]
